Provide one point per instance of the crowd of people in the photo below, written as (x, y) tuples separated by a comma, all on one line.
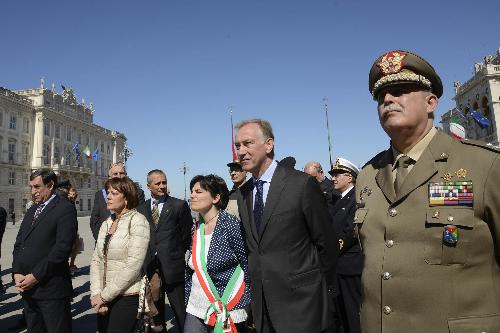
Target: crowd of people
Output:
[(407, 243)]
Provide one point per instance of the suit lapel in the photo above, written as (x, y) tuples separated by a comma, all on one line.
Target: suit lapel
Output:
[(426, 166), (247, 211), (384, 176), (165, 210), (277, 185), (42, 215)]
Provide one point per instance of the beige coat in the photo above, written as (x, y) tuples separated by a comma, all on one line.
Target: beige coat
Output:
[(412, 280), (120, 272)]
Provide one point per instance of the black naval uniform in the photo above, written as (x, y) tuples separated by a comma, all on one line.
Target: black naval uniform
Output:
[(331, 194), (349, 265)]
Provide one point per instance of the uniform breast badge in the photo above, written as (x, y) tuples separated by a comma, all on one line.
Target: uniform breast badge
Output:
[(461, 173), (365, 191), (450, 234), (447, 176), (451, 193)]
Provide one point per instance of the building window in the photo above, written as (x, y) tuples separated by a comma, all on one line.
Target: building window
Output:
[(12, 177), (107, 149), (11, 205), (57, 155), (89, 204), (68, 133), (46, 154), (46, 127), (57, 131), (1, 119), (79, 137), (102, 168), (81, 183), (67, 159), (26, 152), (25, 179), (81, 205), (13, 122), (12, 151), (25, 203), (89, 183), (102, 148), (26, 125)]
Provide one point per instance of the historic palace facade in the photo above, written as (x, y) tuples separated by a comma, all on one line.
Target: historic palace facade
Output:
[(41, 128), (481, 94)]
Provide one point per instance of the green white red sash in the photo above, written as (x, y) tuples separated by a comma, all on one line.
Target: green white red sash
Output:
[(218, 313)]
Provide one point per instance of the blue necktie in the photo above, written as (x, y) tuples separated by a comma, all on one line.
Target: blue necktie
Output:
[(258, 208)]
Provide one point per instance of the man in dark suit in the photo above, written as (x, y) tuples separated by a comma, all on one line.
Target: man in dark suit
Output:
[(170, 226), (292, 245), (350, 264), (99, 211), (40, 258)]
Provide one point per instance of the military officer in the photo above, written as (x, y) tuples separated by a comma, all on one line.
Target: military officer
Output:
[(238, 177), (428, 213), (350, 262)]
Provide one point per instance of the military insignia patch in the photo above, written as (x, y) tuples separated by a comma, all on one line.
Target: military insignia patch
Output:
[(447, 176), (391, 63), (457, 193), (461, 173), (450, 234)]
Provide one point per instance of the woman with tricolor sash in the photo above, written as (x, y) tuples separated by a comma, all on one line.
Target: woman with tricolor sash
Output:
[(217, 285)]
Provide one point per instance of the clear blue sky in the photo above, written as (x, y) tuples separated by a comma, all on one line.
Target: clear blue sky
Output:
[(165, 72)]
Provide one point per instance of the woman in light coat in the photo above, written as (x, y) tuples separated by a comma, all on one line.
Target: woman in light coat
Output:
[(116, 267)]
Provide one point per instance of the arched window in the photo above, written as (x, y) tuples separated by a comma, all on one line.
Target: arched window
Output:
[(46, 154)]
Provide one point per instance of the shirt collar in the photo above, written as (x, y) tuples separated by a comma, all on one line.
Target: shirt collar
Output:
[(46, 202), (417, 150), (268, 174), (346, 191)]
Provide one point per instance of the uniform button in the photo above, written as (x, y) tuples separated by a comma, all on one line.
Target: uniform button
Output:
[(389, 243), (386, 276), (393, 212), (387, 310)]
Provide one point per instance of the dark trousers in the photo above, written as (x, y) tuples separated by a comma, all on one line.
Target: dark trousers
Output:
[(47, 316), (175, 294), (349, 301), (267, 324), (121, 316)]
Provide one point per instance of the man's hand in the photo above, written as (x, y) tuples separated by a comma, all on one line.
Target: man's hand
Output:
[(17, 281), (26, 283)]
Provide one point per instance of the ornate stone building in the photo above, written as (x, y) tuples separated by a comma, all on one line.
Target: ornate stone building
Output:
[(39, 128), (480, 93)]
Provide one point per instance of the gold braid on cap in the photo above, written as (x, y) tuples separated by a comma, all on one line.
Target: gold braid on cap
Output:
[(402, 76)]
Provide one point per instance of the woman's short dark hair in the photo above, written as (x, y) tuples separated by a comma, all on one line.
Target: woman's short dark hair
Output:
[(126, 187), (214, 185)]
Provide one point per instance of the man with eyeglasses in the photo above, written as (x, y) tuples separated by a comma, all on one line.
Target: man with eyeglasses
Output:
[(428, 213), (350, 262)]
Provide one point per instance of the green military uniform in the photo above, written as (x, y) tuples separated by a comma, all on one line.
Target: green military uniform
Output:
[(431, 259)]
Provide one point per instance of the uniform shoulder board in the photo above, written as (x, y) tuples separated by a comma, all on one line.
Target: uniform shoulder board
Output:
[(481, 144), (375, 160)]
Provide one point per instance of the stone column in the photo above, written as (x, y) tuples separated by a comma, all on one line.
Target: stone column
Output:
[(37, 153)]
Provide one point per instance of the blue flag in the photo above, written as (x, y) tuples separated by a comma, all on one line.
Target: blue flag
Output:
[(95, 155), (76, 151), (481, 120)]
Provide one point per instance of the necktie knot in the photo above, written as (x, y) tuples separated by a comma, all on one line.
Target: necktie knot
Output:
[(404, 162)]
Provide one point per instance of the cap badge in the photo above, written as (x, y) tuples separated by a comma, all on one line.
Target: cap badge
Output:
[(391, 62)]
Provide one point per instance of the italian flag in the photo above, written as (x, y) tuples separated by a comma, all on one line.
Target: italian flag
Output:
[(457, 131), (86, 152)]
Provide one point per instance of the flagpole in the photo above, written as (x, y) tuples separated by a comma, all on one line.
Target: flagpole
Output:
[(325, 100), (232, 134)]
